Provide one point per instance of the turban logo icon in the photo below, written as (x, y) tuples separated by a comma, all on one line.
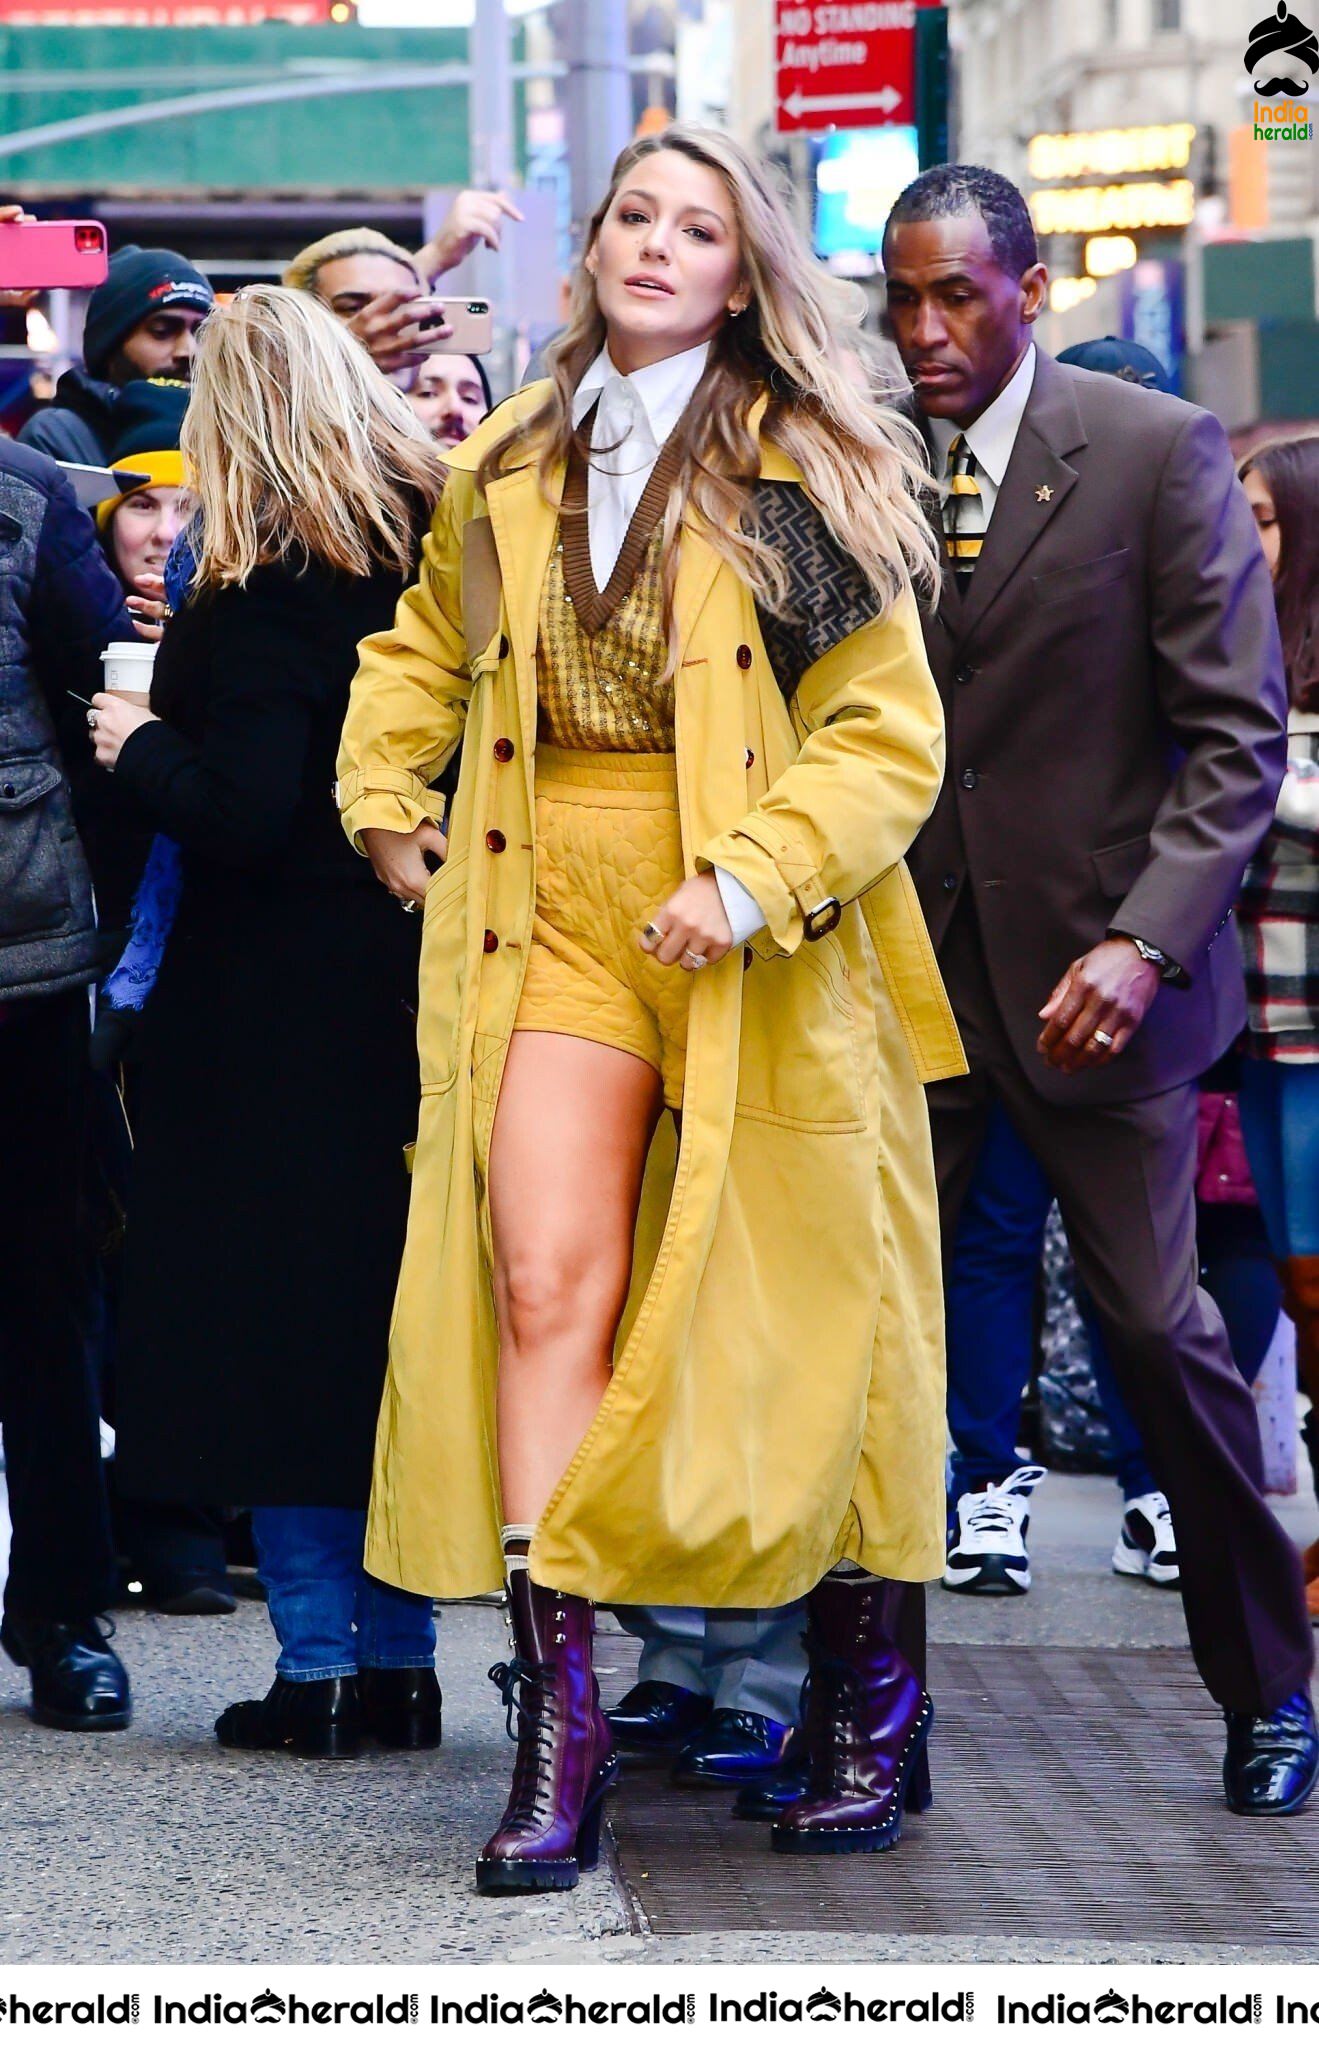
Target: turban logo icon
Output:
[(1282, 55)]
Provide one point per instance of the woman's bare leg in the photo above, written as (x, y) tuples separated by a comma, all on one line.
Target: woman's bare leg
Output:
[(567, 1156)]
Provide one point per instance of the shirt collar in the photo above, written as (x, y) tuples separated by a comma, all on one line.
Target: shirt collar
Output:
[(992, 437), (661, 389)]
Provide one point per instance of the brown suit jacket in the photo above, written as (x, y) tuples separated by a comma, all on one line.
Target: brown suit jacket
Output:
[(1116, 711)]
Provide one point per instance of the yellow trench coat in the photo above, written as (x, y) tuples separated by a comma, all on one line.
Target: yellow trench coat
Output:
[(777, 1401)]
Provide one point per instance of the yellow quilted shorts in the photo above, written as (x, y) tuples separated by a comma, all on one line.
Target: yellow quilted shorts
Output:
[(608, 854)]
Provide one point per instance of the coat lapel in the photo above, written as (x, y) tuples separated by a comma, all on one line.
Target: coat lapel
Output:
[(525, 523), (1036, 482)]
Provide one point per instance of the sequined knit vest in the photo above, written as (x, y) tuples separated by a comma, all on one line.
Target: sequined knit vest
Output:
[(601, 654)]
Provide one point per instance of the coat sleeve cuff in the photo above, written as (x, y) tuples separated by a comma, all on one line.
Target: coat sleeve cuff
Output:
[(773, 870), (385, 799)]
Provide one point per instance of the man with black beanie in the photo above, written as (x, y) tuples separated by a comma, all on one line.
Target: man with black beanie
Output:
[(141, 322)]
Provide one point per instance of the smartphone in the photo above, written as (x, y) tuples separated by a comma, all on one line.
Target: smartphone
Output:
[(38, 255), (92, 485), (471, 321)]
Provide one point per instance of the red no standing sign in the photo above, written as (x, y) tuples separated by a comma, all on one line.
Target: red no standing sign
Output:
[(841, 65)]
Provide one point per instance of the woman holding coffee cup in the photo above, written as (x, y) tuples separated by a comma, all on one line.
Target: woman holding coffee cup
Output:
[(278, 1070), (139, 526)]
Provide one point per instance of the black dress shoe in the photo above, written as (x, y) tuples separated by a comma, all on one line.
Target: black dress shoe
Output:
[(318, 1717), (77, 1680), (656, 1720), (734, 1749), (188, 1596), (1272, 1759), (401, 1708)]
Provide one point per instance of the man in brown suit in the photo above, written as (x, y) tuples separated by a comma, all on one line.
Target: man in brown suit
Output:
[(1106, 649)]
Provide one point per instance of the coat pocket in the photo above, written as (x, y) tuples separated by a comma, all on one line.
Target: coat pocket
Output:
[(443, 954), (1068, 586), (34, 881), (798, 1058)]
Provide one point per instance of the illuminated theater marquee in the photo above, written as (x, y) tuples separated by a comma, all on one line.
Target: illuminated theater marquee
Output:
[(1070, 201)]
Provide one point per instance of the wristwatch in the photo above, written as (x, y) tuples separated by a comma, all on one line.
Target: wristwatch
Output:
[(1168, 969)]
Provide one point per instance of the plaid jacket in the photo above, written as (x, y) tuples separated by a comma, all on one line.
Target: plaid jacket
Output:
[(1278, 916)]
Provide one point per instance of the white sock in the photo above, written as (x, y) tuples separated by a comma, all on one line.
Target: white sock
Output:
[(515, 1540)]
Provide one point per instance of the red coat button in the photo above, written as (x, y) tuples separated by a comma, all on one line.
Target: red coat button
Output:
[(490, 942), (750, 758), (496, 841), (744, 656), (504, 750)]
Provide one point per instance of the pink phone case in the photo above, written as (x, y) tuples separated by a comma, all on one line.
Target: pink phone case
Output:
[(41, 255)]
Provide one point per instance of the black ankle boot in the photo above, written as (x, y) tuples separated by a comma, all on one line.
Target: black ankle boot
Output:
[(401, 1708), (320, 1717)]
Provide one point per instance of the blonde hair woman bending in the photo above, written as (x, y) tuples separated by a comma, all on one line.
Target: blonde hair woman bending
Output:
[(278, 1074), (694, 1358)]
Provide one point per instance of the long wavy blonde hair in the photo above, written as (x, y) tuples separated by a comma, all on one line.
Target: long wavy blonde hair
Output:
[(799, 343), (297, 446)]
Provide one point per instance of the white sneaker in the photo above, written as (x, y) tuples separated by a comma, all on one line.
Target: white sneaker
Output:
[(1147, 1544), (987, 1552)]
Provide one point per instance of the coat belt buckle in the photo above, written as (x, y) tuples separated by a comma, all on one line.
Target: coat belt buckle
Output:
[(823, 918)]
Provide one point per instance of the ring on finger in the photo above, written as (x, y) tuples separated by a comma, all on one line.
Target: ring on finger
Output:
[(406, 903), (1103, 1038), (698, 960), (651, 931), (93, 720)]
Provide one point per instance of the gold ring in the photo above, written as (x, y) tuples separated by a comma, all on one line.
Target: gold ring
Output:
[(651, 931)]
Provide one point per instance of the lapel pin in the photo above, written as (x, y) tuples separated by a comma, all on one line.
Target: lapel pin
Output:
[(1043, 495)]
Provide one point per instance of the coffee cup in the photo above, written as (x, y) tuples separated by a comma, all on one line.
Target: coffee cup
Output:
[(127, 665)]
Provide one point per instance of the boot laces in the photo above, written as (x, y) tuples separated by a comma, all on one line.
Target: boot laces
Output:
[(524, 1688), (831, 1708)]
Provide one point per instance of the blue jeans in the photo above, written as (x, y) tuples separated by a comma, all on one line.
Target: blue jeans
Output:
[(991, 1320), (1280, 1122), (331, 1619)]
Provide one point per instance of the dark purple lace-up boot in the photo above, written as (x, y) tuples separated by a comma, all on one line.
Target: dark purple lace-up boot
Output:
[(565, 1762), (867, 1720)]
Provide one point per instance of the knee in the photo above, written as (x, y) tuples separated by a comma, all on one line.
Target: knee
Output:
[(544, 1297)]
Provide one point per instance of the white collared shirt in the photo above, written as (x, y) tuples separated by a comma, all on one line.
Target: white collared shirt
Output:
[(639, 413), (991, 438)]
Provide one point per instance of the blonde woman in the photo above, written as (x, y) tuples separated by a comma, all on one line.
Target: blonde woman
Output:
[(694, 1357), (278, 1070)]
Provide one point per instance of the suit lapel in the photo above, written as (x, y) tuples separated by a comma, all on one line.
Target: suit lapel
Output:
[(1035, 483)]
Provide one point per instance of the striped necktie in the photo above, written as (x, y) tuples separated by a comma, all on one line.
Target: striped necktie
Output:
[(964, 510)]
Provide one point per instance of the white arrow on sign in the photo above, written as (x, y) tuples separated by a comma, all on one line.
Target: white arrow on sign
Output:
[(799, 103)]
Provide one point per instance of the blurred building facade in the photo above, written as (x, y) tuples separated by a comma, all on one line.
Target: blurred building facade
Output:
[(1155, 95)]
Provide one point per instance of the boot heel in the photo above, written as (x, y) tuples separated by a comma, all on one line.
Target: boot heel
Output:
[(919, 1797), (327, 1744), (588, 1834)]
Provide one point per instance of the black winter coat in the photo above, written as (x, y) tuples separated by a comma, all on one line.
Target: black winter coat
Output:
[(278, 1072), (80, 425), (59, 604)]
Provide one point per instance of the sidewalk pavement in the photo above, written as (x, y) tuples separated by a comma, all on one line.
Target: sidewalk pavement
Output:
[(156, 1846)]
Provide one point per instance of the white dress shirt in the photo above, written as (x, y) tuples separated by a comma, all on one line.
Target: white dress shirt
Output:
[(991, 438), (634, 419)]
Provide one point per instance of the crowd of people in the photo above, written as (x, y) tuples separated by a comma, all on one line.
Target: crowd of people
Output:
[(809, 819)]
